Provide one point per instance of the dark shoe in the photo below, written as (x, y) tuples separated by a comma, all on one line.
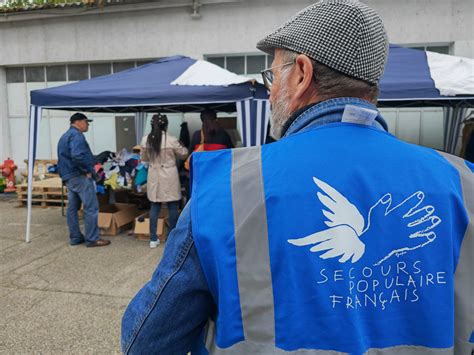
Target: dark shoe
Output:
[(99, 243)]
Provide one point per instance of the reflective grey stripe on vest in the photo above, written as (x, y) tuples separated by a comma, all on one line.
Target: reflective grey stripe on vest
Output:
[(251, 246), (464, 276), (246, 347), (410, 350)]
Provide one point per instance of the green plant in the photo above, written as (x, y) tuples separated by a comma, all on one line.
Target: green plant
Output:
[(16, 5)]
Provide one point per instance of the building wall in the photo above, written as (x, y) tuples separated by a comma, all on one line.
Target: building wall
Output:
[(223, 28), (166, 28)]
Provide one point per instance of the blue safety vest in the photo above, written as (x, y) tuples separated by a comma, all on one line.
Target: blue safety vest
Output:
[(338, 239)]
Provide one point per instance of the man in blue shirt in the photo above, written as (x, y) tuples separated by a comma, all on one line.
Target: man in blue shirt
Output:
[(338, 238), (76, 168)]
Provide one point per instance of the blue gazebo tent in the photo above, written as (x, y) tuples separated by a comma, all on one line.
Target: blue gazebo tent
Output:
[(172, 84), (415, 78), (180, 84)]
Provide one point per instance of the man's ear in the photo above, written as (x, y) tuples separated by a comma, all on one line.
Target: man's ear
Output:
[(303, 77)]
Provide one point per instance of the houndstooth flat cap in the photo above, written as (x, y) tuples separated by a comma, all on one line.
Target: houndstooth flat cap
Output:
[(345, 35)]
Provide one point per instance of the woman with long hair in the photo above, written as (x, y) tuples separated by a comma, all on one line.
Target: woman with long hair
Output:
[(161, 150)]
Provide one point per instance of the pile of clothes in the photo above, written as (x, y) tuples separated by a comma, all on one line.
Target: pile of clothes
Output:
[(123, 170)]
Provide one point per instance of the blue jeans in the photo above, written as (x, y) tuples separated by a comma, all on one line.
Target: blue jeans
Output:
[(155, 212), (81, 189)]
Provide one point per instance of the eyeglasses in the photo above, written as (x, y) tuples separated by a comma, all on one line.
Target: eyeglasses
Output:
[(267, 74)]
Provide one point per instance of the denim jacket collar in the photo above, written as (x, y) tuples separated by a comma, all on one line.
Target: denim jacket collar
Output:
[(72, 128), (330, 111)]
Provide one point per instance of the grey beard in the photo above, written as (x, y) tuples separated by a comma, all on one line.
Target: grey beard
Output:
[(280, 114)]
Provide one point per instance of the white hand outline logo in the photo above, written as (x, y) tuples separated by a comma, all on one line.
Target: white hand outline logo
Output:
[(346, 225)]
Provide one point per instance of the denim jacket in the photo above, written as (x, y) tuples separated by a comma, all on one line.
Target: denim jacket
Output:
[(74, 155), (169, 313)]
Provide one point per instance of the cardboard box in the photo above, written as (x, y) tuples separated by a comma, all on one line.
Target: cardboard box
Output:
[(103, 199), (142, 228), (116, 218)]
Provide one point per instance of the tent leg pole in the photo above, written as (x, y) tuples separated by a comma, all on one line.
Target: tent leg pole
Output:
[(28, 216), (31, 164), (35, 118)]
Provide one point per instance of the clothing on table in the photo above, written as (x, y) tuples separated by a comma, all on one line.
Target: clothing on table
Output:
[(155, 208), (104, 156), (349, 225), (220, 140), (123, 156), (112, 181), (163, 180)]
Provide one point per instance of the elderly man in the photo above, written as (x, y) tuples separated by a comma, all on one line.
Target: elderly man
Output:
[(339, 238), (76, 168)]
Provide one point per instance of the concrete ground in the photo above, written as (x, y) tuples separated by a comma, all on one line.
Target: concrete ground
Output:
[(58, 299)]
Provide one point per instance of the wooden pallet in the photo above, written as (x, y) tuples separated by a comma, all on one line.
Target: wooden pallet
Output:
[(40, 169), (46, 193)]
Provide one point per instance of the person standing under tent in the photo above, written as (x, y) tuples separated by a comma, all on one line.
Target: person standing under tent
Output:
[(76, 168), (160, 150), (210, 137), (211, 134)]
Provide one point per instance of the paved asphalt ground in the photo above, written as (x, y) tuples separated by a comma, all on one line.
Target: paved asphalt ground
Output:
[(58, 299)]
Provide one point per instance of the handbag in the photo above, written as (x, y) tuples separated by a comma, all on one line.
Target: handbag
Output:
[(199, 148)]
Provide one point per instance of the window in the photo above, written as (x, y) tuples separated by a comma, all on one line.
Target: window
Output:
[(78, 72), (255, 64), (438, 48), (121, 66), (15, 75), (220, 61), (68, 72), (251, 64), (34, 74), (236, 64), (56, 73), (143, 62), (100, 69)]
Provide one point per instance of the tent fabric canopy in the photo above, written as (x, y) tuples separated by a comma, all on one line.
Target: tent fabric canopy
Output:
[(178, 84), (149, 86), (452, 75), (414, 76)]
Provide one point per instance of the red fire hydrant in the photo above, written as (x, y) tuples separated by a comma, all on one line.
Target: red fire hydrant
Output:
[(8, 170)]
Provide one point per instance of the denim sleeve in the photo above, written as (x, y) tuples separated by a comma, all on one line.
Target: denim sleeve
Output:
[(81, 154), (169, 312)]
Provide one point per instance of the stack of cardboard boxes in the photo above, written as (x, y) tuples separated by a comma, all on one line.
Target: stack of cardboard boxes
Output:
[(116, 218), (121, 216), (142, 227)]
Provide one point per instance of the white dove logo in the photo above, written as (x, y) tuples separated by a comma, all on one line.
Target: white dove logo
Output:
[(346, 225)]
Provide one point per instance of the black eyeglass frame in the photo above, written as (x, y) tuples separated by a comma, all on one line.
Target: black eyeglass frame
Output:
[(267, 74)]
